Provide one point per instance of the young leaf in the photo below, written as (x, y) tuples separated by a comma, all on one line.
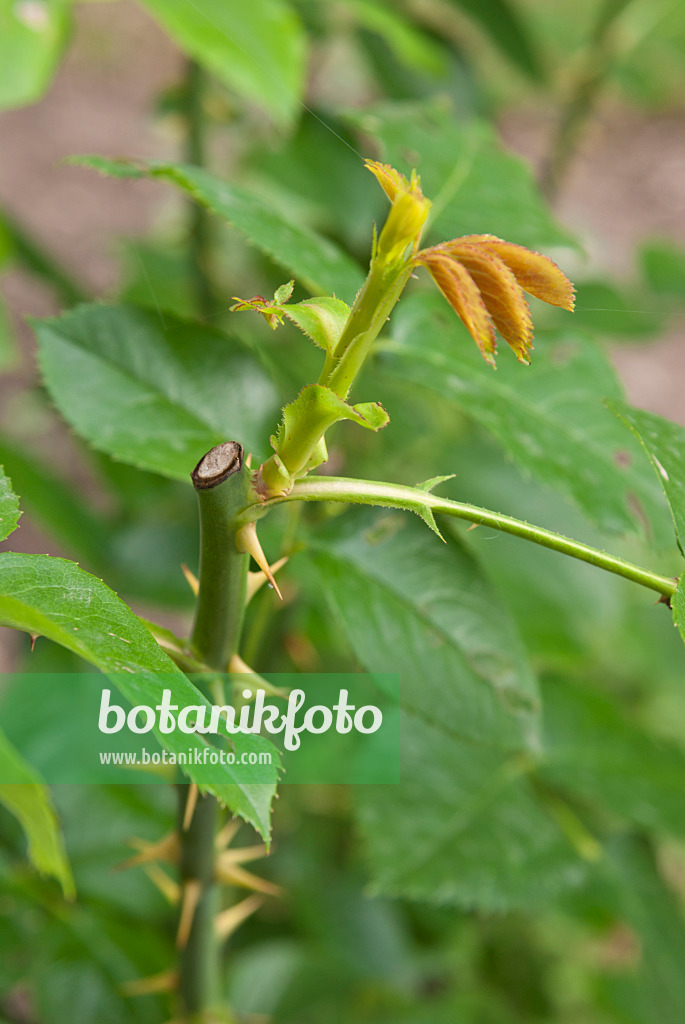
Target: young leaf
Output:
[(32, 37), (549, 417), (55, 598), (664, 443), (28, 799), (155, 394), (256, 49), (315, 261), (322, 319), (9, 506), (475, 185)]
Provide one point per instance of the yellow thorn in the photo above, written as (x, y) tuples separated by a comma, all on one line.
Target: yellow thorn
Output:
[(248, 460), (191, 803), (191, 578), (228, 920), (169, 887), (192, 890), (255, 580), (232, 874), (243, 854), (238, 667), (473, 526), (246, 540), (166, 848), (164, 982)]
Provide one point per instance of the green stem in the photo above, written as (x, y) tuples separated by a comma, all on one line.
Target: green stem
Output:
[(200, 226), (222, 487), (369, 492)]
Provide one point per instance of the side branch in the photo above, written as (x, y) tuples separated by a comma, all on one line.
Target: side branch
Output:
[(371, 492)]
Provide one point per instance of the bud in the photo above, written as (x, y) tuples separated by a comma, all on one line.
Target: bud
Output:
[(409, 211)]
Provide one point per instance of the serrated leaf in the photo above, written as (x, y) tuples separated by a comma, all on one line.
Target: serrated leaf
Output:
[(664, 443), (476, 186), (157, 394), (321, 319), (315, 261), (425, 609), (549, 417), (463, 827), (595, 753), (55, 598), (9, 506), (258, 50), (32, 37), (28, 799), (678, 606)]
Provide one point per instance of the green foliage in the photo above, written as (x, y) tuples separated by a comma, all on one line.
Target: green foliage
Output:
[(475, 185), (571, 443), (161, 391), (259, 51), (9, 507), (315, 261), (95, 624), (27, 798), (664, 443), (32, 37)]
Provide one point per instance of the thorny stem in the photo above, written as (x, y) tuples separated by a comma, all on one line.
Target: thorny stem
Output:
[(369, 492), (222, 487)]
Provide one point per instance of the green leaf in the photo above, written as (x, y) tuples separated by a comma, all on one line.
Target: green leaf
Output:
[(463, 826), (322, 319), (9, 506), (256, 49), (475, 185), (315, 261), (678, 605), (549, 417), (32, 37), (664, 443), (155, 393), (595, 753), (407, 603), (56, 505), (55, 598), (503, 23), (28, 799), (411, 46)]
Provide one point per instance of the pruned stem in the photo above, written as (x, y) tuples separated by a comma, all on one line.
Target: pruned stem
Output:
[(222, 485)]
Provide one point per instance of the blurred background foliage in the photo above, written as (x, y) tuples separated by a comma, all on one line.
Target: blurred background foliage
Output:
[(494, 887)]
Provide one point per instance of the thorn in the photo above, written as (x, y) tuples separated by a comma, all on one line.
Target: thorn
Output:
[(190, 806), (192, 890), (255, 580), (191, 579), (232, 874), (34, 637), (237, 666), (228, 920), (473, 526), (248, 460), (166, 848), (167, 981), (169, 887), (246, 540), (225, 836)]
